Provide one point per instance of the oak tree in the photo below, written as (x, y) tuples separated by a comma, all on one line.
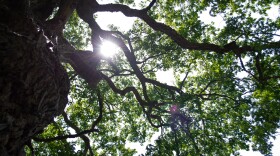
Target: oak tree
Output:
[(59, 99)]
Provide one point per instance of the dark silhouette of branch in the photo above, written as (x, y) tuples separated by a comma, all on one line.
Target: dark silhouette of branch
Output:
[(138, 97), (56, 25), (129, 55), (148, 58), (124, 91), (77, 130), (244, 68), (164, 85), (208, 85), (133, 63), (150, 6), (101, 104), (183, 81), (158, 118), (176, 37), (65, 136)]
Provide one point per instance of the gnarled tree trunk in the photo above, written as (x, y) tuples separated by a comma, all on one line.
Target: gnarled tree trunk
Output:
[(33, 84)]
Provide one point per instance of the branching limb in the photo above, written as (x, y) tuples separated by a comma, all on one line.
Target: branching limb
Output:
[(65, 136), (132, 61), (150, 6), (207, 86), (158, 118), (84, 63), (139, 99), (148, 58), (184, 80), (129, 55), (164, 85), (244, 68), (101, 104), (176, 37), (124, 91), (77, 130), (56, 25)]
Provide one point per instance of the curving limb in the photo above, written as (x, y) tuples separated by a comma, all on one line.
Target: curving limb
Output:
[(173, 34), (77, 130)]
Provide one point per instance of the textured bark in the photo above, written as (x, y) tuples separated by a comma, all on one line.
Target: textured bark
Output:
[(34, 85)]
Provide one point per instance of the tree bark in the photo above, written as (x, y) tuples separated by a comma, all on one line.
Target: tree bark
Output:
[(34, 85)]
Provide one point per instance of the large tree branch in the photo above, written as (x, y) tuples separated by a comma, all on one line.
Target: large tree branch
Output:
[(77, 130), (124, 91), (139, 99), (85, 63), (132, 60), (173, 34), (65, 136), (86, 15), (56, 25)]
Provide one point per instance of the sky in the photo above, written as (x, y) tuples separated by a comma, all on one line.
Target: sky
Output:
[(125, 23)]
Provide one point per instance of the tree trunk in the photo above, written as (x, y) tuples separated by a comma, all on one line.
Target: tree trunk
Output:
[(33, 84)]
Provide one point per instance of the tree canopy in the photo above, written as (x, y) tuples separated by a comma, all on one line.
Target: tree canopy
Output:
[(226, 92)]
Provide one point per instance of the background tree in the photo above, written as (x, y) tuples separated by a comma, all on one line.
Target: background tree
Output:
[(211, 109)]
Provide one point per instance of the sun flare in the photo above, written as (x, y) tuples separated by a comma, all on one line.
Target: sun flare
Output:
[(108, 49)]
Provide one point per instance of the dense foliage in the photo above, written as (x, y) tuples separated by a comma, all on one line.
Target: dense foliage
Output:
[(225, 96)]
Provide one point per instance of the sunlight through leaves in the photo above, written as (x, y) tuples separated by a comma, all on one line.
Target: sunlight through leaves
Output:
[(109, 49)]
